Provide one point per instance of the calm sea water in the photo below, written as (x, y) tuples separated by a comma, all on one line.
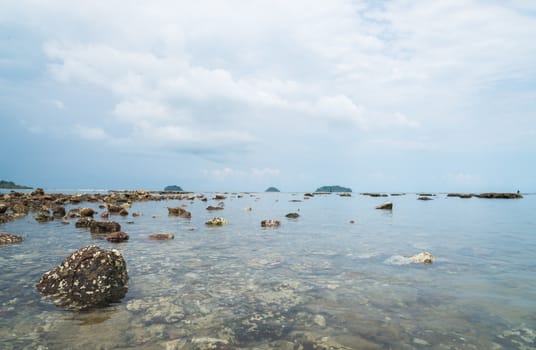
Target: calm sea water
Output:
[(317, 281)]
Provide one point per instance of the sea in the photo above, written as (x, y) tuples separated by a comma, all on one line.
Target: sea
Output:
[(337, 277)]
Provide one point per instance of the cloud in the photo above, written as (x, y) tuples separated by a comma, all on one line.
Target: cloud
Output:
[(90, 133)]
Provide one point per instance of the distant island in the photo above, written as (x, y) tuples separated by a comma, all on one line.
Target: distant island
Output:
[(12, 185), (272, 189), (173, 188), (334, 188)]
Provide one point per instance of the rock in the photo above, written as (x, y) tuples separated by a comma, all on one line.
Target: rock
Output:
[(308, 195), (7, 238), (43, 216), (387, 205), (136, 214), (424, 198), (19, 208), (216, 222), (161, 236), (345, 194), (320, 320), (114, 209), (460, 195), (270, 223), (87, 212), (38, 192), (84, 222), (58, 211), (499, 195), (292, 215), (89, 277), (422, 258), (117, 237), (178, 211), (248, 208), (3, 208), (210, 207), (105, 215), (220, 197), (104, 227), (374, 194), (123, 212)]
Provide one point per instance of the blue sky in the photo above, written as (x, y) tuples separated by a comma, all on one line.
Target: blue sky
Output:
[(242, 95)]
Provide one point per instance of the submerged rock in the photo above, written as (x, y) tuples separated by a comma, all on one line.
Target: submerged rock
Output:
[(84, 222), (270, 223), (387, 206), (104, 227), (425, 198), (117, 237), (211, 207), (178, 211), (7, 238), (422, 258), (123, 212), (161, 236), (89, 277), (216, 222), (58, 211), (500, 195), (292, 215)]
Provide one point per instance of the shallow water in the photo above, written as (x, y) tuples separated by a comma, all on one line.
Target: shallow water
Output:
[(317, 281)]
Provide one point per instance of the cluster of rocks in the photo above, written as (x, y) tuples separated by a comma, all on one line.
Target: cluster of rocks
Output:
[(7, 238), (490, 195), (216, 222)]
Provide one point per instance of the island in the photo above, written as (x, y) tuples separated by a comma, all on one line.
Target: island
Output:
[(334, 188), (272, 189), (11, 185), (173, 188)]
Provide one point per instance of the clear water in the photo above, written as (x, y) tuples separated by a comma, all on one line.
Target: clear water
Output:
[(318, 281)]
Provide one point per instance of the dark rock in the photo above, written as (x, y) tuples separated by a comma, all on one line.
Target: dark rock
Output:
[(270, 223), (114, 209), (19, 208), (88, 278), (136, 214), (123, 212), (387, 205), (494, 195), (374, 194), (334, 188), (292, 215), (272, 189), (84, 222), (87, 212), (38, 192), (426, 194), (43, 216), (104, 227), (308, 195), (161, 236), (210, 207), (424, 198), (220, 197), (460, 195), (3, 208), (173, 188), (345, 194), (178, 211), (117, 237), (58, 211), (7, 238)]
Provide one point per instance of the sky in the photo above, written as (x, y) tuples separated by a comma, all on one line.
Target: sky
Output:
[(231, 95)]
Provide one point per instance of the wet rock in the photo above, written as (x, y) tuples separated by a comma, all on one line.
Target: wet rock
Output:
[(422, 258), (220, 197), (216, 222), (161, 236), (210, 207), (105, 215), (460, 195), (7, 238), (116, 237), (424, 198), (178, 211), (292, 215), (123, 212), (84, 222), (58, 211), (136, 214), (320, 320), (87, 212), (114, 209), (104, 227), (38, 192), (270, 223), (346, 194), (3, 208), (261, 326), (19, 208), (89, 277), (386, 206), (157, 309), (43, 216)]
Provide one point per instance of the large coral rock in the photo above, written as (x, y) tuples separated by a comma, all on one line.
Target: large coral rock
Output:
[(7, 238), (89, 277)]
